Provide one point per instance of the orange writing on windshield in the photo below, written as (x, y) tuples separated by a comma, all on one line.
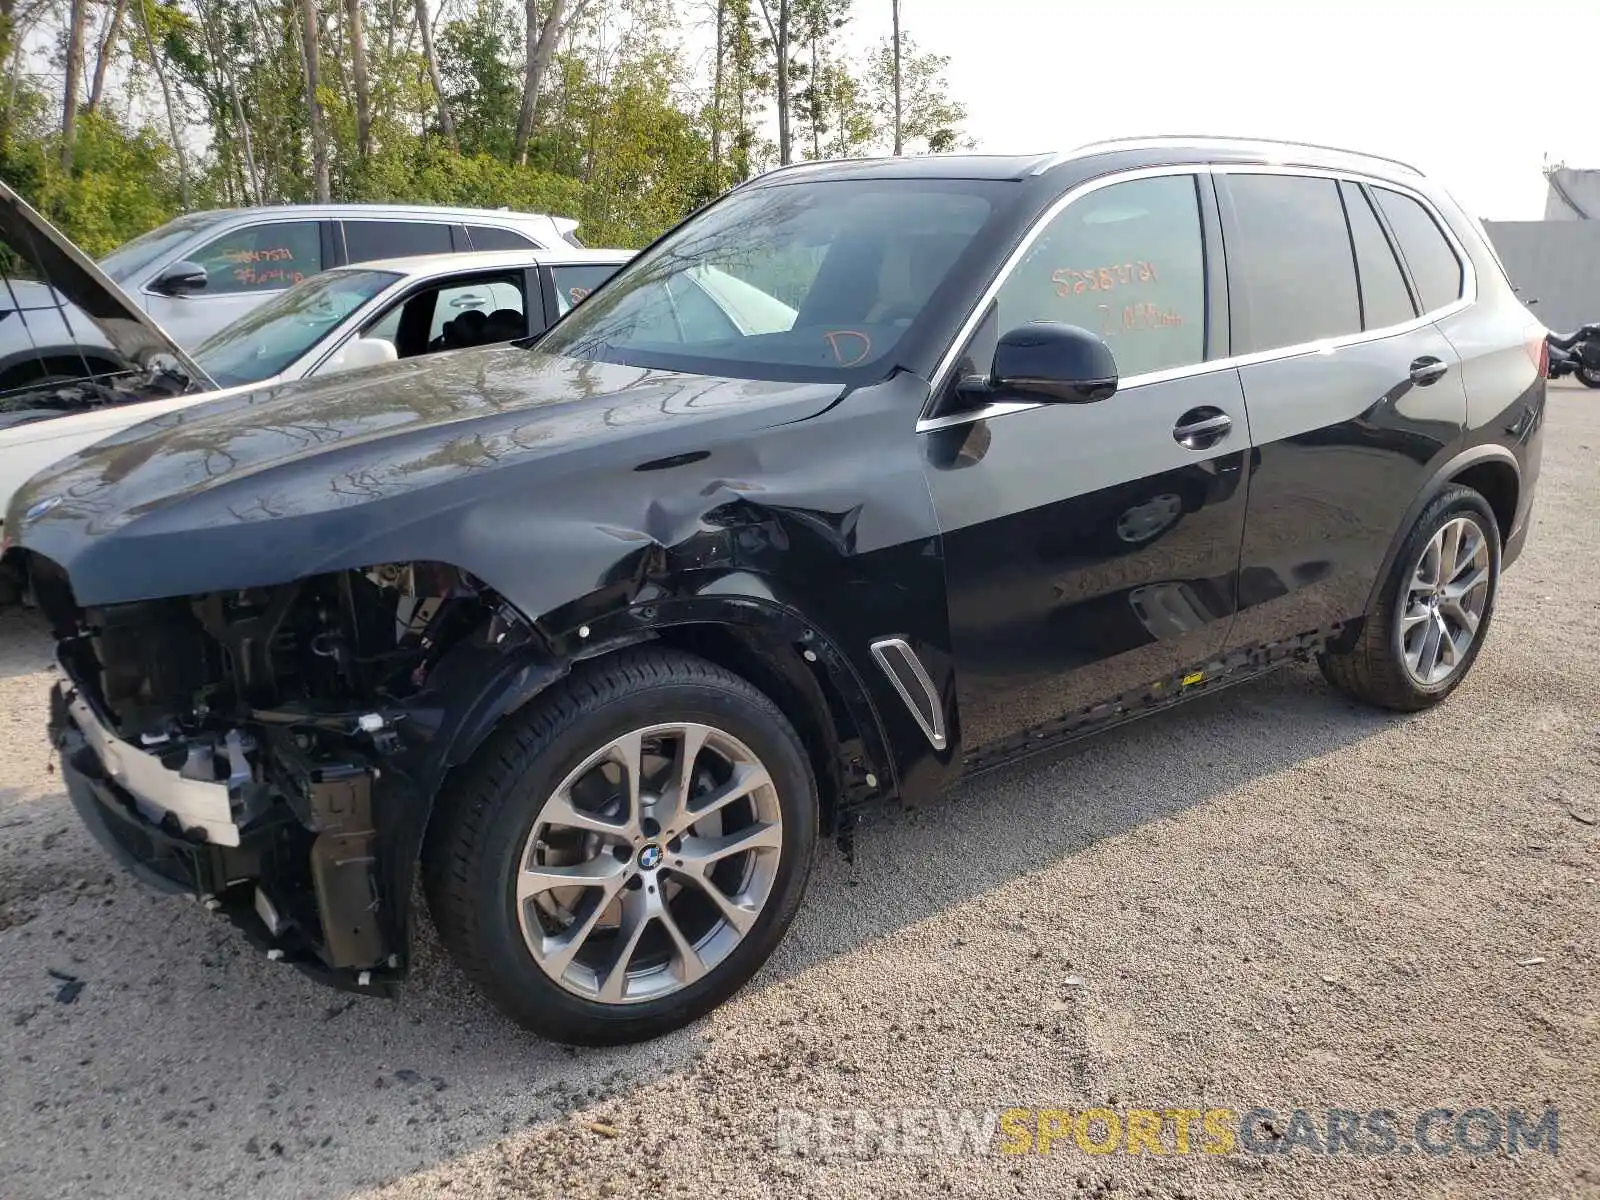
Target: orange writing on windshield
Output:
[(849, 346)]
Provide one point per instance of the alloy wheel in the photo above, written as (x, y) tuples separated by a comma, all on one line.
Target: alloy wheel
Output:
[(649, 863), (1445, 601)]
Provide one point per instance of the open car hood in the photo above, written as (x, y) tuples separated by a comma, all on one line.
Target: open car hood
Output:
[(73, 276)]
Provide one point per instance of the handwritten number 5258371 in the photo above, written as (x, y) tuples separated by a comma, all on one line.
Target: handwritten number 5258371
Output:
[(1069, 282)]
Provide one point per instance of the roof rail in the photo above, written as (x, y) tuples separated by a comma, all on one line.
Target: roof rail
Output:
[(1206, 138)]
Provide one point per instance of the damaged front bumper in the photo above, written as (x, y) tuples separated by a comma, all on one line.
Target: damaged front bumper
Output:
[(307, 897), (202, 810)]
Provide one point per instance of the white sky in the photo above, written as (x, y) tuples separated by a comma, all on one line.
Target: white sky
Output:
[(1476, 92)]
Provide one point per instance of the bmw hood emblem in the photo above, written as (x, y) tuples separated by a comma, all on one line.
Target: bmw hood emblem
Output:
[(39, 507)]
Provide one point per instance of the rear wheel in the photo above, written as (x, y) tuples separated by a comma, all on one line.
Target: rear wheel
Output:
[(624, 855), (1433, 613)]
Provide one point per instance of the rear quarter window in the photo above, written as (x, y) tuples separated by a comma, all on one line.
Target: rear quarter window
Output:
[(1435, 269), (491, 237)]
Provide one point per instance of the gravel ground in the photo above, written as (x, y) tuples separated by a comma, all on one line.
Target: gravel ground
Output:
[(1270, 898)]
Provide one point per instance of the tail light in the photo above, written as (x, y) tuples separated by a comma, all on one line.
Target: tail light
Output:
[(1538, 349)]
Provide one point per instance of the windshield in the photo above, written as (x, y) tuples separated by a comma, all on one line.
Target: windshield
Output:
[(817, 280), (267, 339), (131, 257)]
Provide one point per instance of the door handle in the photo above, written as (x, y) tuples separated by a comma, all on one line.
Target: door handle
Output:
[(1201, 428), (1428, 369)]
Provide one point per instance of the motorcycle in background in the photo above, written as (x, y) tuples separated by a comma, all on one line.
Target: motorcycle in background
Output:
[(1576, 354)]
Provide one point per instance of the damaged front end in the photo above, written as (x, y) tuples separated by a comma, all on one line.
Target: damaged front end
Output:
[(273, 752)]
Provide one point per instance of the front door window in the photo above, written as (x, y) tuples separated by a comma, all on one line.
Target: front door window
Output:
[(1126, 262), (262, 258)]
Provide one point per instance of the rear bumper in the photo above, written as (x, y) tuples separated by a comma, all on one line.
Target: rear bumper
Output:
[(1510, 552), (1530, 457)]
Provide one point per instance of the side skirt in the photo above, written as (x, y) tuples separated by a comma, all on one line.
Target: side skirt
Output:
[(1219, 673)]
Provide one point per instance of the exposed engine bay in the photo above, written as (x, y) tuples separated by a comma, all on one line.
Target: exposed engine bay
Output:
[(42, 400), (278, 738)]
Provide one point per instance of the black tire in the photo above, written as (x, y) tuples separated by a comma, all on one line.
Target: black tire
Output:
[(1589, 376), (489, 806), (1372, 667)]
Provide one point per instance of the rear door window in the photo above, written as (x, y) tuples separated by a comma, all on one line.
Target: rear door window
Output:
[(368, 240), (262, 258), (1385, 299), (1290, 265), (1435, 269)]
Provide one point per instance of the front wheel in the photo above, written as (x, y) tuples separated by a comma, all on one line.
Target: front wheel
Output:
[(1589, 376), (1433, 612), (624, 855)]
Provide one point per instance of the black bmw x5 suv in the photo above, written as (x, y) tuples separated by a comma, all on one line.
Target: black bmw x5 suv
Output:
[(868, 476)]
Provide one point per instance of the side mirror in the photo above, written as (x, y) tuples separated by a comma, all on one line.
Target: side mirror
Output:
[(182, 278), (1054, 363), (361, 354)]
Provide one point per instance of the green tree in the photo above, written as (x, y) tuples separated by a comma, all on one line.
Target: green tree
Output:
[(477, 64), (588, 108), (930, 119)]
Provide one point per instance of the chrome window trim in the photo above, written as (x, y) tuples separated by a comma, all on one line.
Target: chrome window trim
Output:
[(881, 649), (946, 367)]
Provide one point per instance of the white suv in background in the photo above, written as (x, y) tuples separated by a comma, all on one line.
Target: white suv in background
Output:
[(345, 319), (204, 270)]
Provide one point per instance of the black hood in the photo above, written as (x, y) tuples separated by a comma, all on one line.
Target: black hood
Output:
[(73, 277), (437, 458)]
